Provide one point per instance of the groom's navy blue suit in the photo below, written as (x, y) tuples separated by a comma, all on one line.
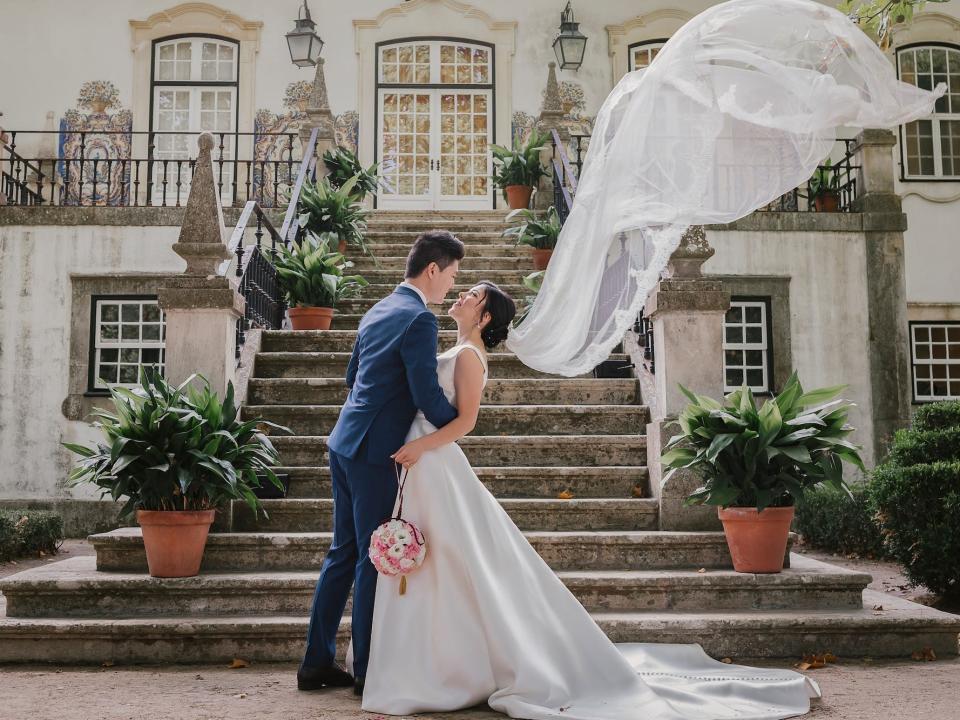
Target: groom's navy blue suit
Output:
[(392, 373)]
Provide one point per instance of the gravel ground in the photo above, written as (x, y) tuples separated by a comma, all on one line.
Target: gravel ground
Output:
[(852, 689)]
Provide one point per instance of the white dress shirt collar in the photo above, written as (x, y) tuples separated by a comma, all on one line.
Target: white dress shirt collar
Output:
[(417, 290)]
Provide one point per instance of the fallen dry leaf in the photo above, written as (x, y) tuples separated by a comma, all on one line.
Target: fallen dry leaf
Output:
[(240, 696), (638, 491), (565, 495), (816, 662), (924, 655), (728, 661), (108, 663), (702, 571), (878, 607), (238, 663)]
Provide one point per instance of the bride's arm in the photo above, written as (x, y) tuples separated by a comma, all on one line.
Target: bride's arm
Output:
[(468, 381)]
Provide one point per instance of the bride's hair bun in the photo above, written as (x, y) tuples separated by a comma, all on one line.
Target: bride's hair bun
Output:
[(502, 309), (493, 336)]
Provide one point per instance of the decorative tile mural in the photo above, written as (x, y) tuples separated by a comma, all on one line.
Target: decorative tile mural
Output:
[(95, 147), (271, 147)]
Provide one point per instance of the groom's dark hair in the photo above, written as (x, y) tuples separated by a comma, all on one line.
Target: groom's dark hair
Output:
[(439, 246)]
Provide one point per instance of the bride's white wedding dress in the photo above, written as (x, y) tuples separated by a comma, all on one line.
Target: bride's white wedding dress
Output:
[(486, 620)]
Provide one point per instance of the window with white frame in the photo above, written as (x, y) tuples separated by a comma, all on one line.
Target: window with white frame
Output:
[(931, 147), (126, 332), (746, 345), (935, 354), (195, 85), (640, 55)]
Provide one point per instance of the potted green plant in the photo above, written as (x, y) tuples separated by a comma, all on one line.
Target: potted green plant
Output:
[(343, 165), (313, 279), (824, 188), (539, 233), (325, 208), (517, 170), (757, 462), (176, 453)]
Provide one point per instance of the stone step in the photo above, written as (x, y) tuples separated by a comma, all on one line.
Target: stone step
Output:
[(499, 391), (493, 420), (334, 364), (328, 340), (509, 482), (508, 450), (464, 277), (579, 514), (900, 629), (387, 245), (74, 588), (465, 229), (122, 550), (480, 263)]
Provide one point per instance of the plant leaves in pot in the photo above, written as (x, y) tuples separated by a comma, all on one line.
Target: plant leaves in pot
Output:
[(343, 165), (517, 170), (176, 453), (757, 462), (325, 208), (539, 233), (313, 280)]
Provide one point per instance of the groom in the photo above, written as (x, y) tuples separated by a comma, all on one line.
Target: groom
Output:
[(392, 373)]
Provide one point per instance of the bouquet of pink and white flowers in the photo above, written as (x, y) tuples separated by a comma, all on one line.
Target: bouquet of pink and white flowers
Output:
[(397, 547)]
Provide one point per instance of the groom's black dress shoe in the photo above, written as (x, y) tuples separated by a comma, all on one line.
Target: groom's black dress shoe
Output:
[(325, 677), (358, 686)]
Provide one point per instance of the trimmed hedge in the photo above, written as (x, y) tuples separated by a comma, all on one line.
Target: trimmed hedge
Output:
[(937, 416), (28, 532), (916, 495), (830, 520)]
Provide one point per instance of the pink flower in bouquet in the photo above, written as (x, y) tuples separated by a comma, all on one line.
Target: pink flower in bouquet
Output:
[(397, 547)]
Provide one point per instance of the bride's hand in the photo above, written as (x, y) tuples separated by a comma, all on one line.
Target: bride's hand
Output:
[(409, 454)]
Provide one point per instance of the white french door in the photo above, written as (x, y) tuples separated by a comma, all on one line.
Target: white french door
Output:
[(433, 143)]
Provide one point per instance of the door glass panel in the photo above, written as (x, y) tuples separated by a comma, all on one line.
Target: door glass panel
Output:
[(405, 143)]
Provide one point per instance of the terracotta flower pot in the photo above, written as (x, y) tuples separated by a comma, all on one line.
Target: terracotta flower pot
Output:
[(174, 540), (827, 202), (541, 258), (310, 318), (757, 540), (518, 196)]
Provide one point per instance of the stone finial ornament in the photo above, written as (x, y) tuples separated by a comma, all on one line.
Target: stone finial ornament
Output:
[(201, 235)]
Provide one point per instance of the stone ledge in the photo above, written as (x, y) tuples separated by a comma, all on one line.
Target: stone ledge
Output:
[(113, 216)]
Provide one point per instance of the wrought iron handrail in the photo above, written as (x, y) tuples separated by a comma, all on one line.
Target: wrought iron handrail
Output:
[(83, 176), (258, 280), (564, 181)]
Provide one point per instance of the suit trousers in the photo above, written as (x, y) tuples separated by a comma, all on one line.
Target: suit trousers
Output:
[(363, 497)]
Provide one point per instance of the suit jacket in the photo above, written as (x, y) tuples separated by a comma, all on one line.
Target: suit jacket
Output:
[(392, 373)]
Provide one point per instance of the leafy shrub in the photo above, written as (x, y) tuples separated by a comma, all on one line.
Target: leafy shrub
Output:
[(834, 521), (916, 494), (767, 456), (29, 532), (176, 448)]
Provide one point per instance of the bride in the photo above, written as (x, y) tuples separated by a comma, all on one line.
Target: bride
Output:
[(486, 620)]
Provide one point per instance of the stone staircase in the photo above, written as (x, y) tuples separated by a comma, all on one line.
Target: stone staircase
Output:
[(537, 436)]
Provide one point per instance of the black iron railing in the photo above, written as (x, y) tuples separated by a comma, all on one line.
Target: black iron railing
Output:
[(564, 180), (127, 168), (643, 328), (258, 280)]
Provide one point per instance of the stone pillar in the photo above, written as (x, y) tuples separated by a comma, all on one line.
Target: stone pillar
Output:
[(551, 118), (888, 345), (319, 116), (201, 308), (687, 312)]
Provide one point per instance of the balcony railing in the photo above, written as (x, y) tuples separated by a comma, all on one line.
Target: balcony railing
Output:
[(567, 163), (130, 169)]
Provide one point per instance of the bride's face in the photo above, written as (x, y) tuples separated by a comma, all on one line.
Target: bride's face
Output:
[(469, 307)]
